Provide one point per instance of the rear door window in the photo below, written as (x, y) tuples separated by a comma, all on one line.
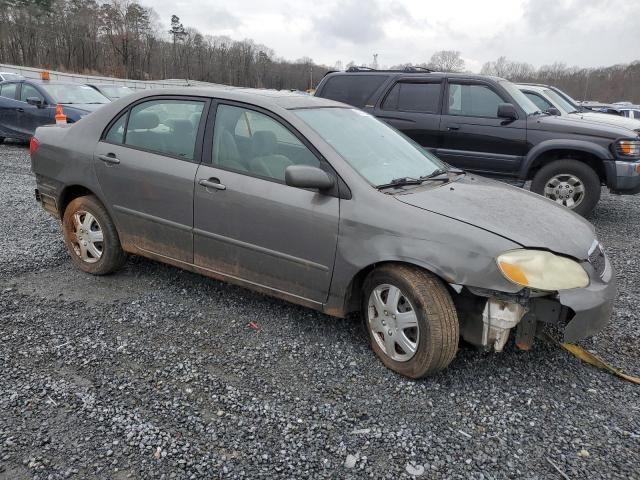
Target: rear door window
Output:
[(413, 97), (8, 90), (354, 90), (471, 100), (165, 126)]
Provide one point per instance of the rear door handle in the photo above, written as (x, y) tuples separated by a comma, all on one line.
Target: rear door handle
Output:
[(20, 109), (212, 183), (453, 127), (109, 158)]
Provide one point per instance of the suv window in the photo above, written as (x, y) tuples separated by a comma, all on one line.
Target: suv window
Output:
[(355, 90), (413, 97), (164, 126), (538, 101), (29, 91), (8, 90), (248, 141), (473, 100)]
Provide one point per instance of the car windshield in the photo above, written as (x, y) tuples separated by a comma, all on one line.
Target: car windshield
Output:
[(376, 151), (115, 91), (559, 102), (65, 93), (567, 98), (521, 99)]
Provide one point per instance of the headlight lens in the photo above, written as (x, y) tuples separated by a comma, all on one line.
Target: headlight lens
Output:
[(542, 270), (628, 148)]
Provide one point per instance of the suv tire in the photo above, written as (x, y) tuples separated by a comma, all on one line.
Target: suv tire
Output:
[(411, 320), (91, 237), (570, 183)]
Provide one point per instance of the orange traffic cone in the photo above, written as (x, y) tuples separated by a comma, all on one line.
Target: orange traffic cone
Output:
[(61, 118)]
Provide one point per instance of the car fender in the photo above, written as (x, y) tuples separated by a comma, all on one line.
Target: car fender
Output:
[(563, 144)]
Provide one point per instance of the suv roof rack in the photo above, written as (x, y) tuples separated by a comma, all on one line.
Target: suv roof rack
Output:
[(408, 69)]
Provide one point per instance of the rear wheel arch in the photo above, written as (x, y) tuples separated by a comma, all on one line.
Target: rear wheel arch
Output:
[(70, 193)]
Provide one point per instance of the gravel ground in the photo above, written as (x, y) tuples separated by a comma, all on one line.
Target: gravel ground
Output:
[(155, 373)]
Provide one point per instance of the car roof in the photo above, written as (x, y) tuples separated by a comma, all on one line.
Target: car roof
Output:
[(260, 97), (413, 74)]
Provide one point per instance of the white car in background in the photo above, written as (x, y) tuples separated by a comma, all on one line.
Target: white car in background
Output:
[(554, 101), (5, 76)]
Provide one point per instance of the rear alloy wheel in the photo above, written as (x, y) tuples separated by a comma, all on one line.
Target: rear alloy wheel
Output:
[(91, 237), (570, 183), (411, 320)]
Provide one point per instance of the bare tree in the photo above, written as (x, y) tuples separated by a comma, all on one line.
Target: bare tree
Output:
[(447, 61)]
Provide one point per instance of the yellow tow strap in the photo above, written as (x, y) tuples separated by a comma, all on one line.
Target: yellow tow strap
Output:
[(588, 357), (591, 359)]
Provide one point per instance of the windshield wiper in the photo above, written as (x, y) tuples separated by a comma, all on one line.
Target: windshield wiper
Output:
[(436, 173), (399, 182)]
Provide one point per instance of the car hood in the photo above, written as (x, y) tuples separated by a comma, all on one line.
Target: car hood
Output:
[(571, 125), (513, 213), (609, 119)]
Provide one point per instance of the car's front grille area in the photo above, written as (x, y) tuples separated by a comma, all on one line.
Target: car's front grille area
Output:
[(597, 259)]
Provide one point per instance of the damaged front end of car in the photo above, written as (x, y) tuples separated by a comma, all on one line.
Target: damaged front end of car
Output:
[(575, 297)]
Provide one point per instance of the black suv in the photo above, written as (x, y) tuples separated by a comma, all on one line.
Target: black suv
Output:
[(487, 125)]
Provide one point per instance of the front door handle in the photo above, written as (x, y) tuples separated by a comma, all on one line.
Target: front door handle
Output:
[(20, 109), (453, 127), (212, 183), (109, 158)]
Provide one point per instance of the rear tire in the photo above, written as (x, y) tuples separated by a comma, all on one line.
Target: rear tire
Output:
[(570, 183), (411, 320), (91, 237), (1, 140)]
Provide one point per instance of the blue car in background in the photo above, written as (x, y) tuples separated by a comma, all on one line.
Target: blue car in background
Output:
[(27, 104)]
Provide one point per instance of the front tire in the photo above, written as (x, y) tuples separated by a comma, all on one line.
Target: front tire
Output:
[(411, 320), (570, 183), (91, 237)]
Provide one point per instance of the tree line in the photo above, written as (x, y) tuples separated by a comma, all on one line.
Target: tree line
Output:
[(125, 39), (604, 84)]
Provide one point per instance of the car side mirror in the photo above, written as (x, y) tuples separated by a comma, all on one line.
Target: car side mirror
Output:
[(306, 176), (553, 111), (508, 111), (35, 101)]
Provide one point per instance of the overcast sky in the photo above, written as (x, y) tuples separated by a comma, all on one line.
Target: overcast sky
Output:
[(577, 32)]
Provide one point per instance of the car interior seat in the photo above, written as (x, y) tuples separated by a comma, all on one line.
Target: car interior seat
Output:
[(140, 134), (183, 138), (266, 161)]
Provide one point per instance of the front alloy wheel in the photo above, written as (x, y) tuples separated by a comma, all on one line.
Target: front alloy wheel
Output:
[(393, 321), (571, 183), (565, 189), (411, 320)]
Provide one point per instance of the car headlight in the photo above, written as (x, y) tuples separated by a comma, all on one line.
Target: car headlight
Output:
[(628, 148), (542, 270)]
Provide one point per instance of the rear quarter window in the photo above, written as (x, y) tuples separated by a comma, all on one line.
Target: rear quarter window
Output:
[(354, 90)]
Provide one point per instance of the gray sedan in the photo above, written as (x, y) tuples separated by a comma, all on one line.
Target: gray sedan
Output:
[(323, 205)]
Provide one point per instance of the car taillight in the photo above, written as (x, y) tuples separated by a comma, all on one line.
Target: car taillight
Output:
[(33, 145)]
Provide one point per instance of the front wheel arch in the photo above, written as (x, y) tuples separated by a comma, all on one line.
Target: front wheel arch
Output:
[(353, 295)]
